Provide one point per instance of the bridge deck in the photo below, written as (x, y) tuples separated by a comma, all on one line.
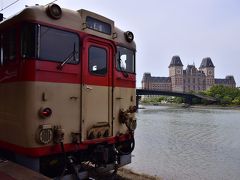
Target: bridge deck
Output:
[(172, 93)]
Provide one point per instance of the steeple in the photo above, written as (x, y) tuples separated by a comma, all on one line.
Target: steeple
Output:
[(206, 62), (176, 61)]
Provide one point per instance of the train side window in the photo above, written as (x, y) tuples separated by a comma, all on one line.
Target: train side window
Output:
[(8, 47), (97, 60), (125, 60), (28, 41)]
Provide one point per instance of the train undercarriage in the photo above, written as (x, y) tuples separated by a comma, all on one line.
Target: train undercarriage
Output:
[(98, 160)]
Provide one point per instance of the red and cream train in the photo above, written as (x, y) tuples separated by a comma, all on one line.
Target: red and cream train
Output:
[(67, 91)]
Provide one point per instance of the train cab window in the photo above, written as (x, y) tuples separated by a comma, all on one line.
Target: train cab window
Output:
[(58, 45), (125, 60), (97, 60), (49, 44), (8, 47)]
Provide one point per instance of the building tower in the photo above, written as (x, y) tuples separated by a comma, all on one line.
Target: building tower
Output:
[(208, 68), (176, 74), (146, 81), (230, 81)]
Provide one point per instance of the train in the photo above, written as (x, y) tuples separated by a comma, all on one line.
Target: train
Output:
[(67, 91)]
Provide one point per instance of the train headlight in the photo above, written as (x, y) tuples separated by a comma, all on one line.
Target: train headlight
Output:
[(129, 36), (54, 11), (45, 134), (45, 112)]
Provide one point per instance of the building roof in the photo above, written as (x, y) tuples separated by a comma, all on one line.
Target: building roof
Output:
[(220, 81), (146, 76), (157, 79), (176, 61), (191, 68), (161, 79), (230, 77), (224, 81), (206, 62), (227, 80)]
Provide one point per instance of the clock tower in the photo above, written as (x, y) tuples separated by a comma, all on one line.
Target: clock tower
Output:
[(208, 68), (176, 74)]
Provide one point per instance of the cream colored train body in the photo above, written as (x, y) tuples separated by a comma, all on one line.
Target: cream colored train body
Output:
[(67, 90)]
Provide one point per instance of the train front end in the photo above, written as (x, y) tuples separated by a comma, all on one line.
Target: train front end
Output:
[(67, 91)]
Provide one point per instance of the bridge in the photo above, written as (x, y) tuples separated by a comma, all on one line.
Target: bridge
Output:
[(187, 96)]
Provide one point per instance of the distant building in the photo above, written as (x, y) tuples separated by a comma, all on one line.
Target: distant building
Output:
[(190, 79)]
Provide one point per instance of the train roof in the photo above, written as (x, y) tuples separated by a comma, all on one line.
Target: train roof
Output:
[(70, 19)]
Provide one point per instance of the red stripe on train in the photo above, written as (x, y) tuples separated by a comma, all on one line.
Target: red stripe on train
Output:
[(56, 149), (32, 70)]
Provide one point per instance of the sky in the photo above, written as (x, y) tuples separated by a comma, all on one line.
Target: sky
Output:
[(191, 29)]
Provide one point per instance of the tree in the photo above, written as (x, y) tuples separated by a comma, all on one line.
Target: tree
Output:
[(236, 100), (225, 95)]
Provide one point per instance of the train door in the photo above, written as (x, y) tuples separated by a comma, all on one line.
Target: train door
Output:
[(96, 91)]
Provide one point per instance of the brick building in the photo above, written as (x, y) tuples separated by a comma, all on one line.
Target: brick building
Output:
[(190, 79)]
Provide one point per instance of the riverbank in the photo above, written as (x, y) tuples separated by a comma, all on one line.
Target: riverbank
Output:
[(127, 174), (237, 107), (215, 107)]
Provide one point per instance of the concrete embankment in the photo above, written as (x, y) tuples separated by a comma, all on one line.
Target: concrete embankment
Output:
[(126, 174)]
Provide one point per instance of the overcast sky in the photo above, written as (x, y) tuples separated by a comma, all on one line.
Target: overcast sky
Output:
[(192, 29)]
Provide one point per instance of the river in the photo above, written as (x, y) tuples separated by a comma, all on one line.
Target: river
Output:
[(187, 143)]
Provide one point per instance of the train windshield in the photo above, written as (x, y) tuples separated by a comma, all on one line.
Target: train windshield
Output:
[(49, 44), (125, 60)]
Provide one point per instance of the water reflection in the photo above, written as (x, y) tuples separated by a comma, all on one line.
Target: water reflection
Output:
[(179, 143)]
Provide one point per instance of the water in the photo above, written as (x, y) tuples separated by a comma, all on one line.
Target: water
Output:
[(188, 143)]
